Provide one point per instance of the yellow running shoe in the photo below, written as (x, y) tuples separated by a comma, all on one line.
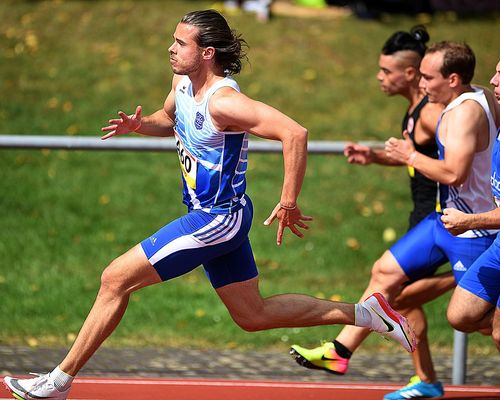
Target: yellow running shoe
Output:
[(324, 357)]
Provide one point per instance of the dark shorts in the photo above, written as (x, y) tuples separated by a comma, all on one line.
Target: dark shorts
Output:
[(218, 242), (423, 249), (483, 277)]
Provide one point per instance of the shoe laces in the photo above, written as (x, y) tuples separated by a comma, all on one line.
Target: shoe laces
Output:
[(40, 381)]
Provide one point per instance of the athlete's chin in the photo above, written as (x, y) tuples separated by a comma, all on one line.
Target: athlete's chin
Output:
[(178, 71), (386, 91), (431, 98)]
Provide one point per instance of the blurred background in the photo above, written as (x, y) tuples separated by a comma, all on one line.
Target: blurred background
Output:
[(68, 66)]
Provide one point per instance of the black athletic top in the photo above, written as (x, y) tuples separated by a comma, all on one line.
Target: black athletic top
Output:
[(423, 190)]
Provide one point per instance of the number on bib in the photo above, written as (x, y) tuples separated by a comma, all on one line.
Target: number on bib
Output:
[(189, 164)]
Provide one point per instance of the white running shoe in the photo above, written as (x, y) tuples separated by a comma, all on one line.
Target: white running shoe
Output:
[(389, 322), (41, 387)]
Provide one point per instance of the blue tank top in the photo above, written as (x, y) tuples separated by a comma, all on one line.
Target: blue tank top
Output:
[(213, 163)]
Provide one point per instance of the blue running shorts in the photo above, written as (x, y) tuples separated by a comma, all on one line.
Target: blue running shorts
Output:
[(483, 277), (219, 242), (423, 249)]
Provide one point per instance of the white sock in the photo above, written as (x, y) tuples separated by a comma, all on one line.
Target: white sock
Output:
[(362, 316), (62, 380)]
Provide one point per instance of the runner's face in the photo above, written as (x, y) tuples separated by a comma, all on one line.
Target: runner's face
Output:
[(495, 81), (185, 54), (432, 82), (391, 75)]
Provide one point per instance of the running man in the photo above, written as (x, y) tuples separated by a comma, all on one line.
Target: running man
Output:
[(475, 304), (399, 74), (465, 136), (210, 120)]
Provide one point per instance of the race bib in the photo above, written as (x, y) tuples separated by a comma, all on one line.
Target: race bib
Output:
[(189, 164)]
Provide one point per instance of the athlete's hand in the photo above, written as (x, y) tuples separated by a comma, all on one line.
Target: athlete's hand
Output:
[(455, 221), (400, 150), (287, 219), (358, 154), (124, 124)]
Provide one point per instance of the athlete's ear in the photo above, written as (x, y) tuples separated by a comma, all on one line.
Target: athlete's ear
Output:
[(208, 53), (454, 79), (410, 73)]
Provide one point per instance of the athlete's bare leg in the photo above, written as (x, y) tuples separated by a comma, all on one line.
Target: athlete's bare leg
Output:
[(421, 357), (468, 312), (252, 312), (388, 277), (408, 303), (496, 328), (424, 290), (126, 274)]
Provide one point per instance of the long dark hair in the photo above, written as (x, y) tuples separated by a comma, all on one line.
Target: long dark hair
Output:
[(214, 31), (414, 40)]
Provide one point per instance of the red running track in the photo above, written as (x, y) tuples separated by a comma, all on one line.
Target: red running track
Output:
[(201, 389)]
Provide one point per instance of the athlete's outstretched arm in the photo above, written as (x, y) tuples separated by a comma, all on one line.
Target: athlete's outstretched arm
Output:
[(233, 111), (160, 123), (357, 153)]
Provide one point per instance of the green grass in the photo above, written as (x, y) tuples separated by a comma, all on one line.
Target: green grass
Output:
[(67, 67)]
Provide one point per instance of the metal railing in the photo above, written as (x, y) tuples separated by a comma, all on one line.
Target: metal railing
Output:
[(168, 144)]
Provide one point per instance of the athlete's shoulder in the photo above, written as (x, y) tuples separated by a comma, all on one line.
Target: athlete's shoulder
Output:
[(225, 99), (429, 117), (177, 79)]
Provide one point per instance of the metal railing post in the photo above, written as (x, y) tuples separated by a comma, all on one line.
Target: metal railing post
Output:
[(459, 357)]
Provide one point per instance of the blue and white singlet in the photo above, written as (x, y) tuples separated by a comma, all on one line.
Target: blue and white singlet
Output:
[(213, 163), (214, 232), (495, 170), (474, 195)]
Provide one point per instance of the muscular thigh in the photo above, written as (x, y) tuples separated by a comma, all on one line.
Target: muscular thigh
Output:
[(467, 306), (131, 271), (241, 298)]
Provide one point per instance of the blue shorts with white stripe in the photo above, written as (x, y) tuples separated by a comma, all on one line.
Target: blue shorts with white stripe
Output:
[(429, 245), (218, 242)]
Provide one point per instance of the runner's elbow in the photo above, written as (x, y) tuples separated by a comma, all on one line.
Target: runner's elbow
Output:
[(454, 179)]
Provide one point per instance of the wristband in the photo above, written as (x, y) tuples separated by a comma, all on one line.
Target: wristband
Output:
[(287, 208)]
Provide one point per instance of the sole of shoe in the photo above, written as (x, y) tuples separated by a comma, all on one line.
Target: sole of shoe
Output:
[(13, 394), (303, 362)]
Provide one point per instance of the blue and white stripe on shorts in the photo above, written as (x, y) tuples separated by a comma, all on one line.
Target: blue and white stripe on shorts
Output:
[(218, 242)]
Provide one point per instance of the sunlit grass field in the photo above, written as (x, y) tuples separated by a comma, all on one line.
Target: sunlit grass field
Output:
[(68, 66)]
